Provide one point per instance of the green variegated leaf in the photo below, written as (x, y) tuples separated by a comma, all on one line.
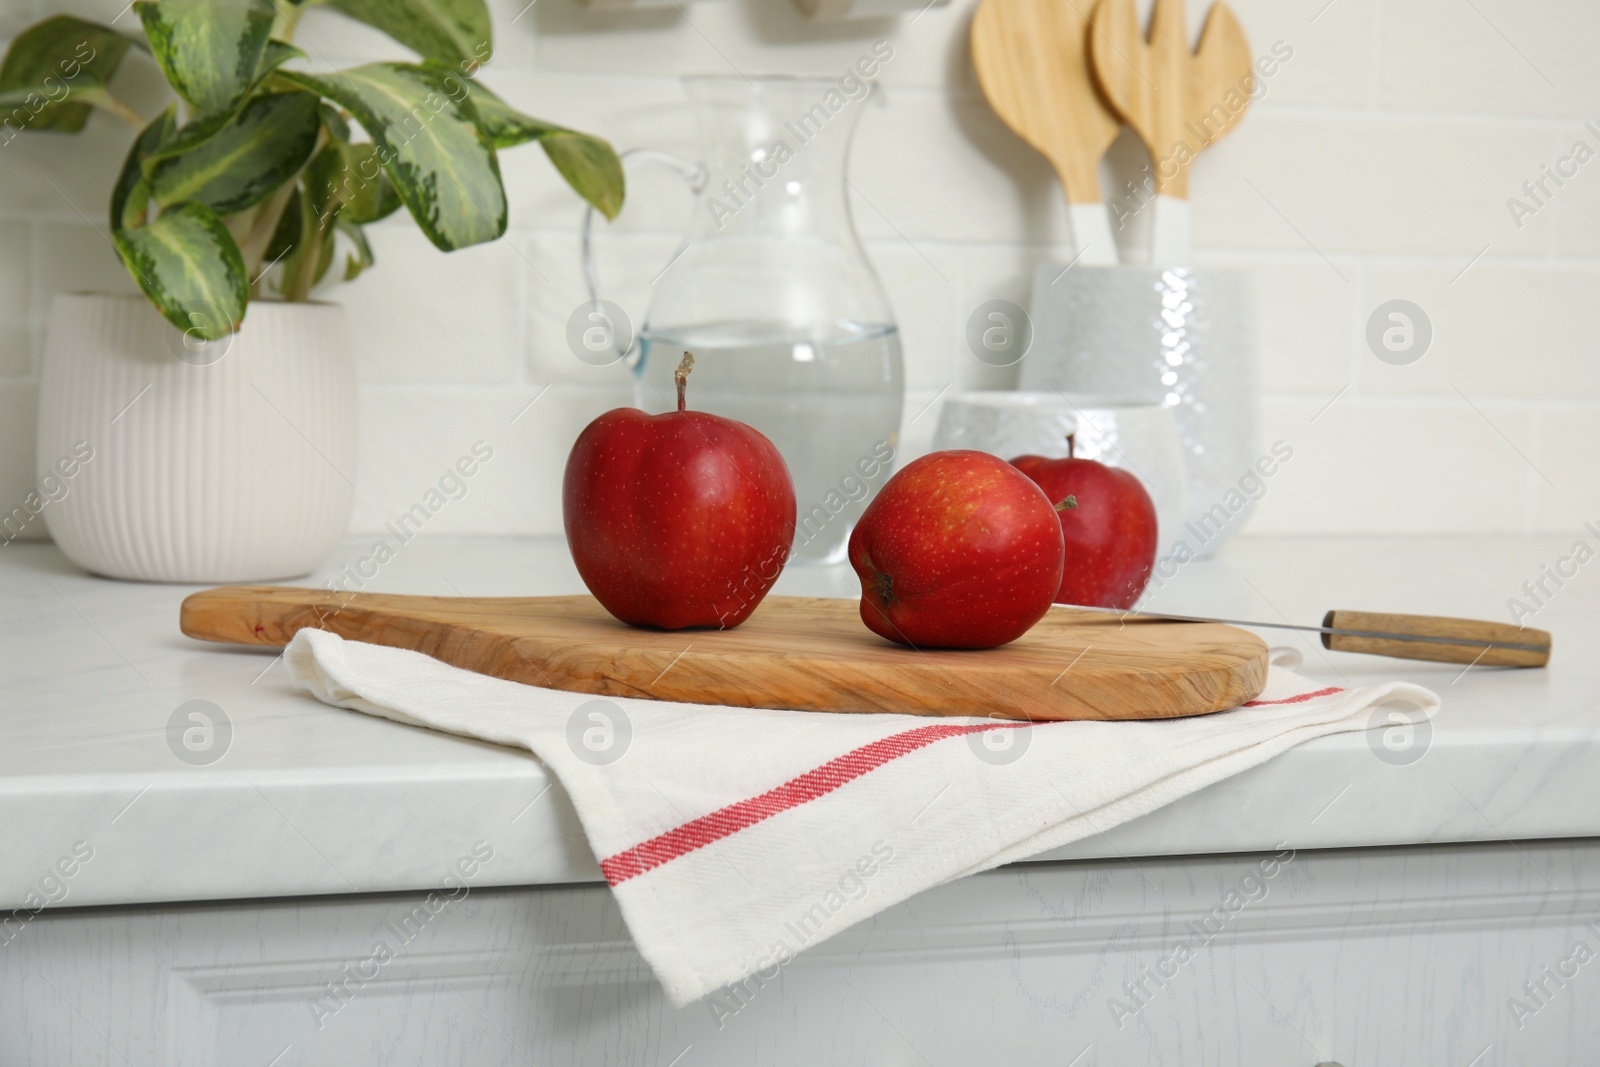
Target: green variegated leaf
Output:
[(241, 164), (287, 235), (503, 124), (388, 201), (275, 55), (589, 164), (442, 165), (210, 50), (309, 252), (198, 131), (354, 265), (344, 178), (324, 257), (131, 196), (337, 127), (33, 109), (457, 32), (363, 197), (190, 268), (56, 71)]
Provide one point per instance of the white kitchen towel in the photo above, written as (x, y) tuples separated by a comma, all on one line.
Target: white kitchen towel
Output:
[(734, 838)]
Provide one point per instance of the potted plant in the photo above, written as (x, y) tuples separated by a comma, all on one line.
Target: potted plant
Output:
[(221, 432)]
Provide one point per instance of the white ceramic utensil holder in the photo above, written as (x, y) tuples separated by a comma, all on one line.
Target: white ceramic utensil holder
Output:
[(226, 461), (1183, 337), (1132, 435)]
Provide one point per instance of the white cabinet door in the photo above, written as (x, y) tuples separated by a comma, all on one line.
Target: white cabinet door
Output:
[(1469, 956)]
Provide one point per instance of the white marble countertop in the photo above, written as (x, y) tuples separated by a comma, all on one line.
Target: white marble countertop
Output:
[(309, 799)]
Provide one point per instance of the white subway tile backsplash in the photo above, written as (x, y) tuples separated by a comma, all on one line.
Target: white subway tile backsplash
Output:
[(1569, 451), (1306, 326), (1574, 206), (61, 175), (332, 40), (1363, 467), (749, 37), (1377, 165), (1519, 57), (922, 285), (1332, 48), (410, 439), (19, 405), (15, 18), (1498, 331), (1304, 182), (75, 257), (16, 303), (421, 315), (926, 167)]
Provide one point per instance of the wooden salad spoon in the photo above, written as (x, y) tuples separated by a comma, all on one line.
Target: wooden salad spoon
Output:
[(1179, 102)]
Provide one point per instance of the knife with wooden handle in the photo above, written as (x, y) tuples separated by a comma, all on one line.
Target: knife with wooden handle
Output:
[(1425, 637), (1431, 637)]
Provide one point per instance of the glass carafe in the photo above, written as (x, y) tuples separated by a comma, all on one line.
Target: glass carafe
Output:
[(773, 293)]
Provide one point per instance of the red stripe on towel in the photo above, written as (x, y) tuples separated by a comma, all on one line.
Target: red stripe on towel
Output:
[(1302, 698), (698, 833)]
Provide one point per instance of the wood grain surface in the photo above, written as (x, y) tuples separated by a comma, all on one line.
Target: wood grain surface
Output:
[(1460, 648), (1032, 58), (1178, 102), (799, 653)]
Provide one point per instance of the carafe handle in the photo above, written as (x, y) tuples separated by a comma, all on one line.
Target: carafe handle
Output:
[(694, 176)]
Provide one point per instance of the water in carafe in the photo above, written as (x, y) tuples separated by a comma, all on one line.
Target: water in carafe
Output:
[(830, 403), (773, 293)]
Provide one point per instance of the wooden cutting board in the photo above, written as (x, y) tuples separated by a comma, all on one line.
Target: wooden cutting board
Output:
[(794, 652)]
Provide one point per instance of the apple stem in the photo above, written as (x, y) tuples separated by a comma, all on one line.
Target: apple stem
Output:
[(1070, 503), (681, 376), (1072, 442)]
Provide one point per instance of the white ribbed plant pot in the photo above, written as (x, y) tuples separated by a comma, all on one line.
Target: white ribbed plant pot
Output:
[(231, 461)]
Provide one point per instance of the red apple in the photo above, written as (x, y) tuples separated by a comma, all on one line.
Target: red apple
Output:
[(958, 550), (1111, 535), (676, 520)]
